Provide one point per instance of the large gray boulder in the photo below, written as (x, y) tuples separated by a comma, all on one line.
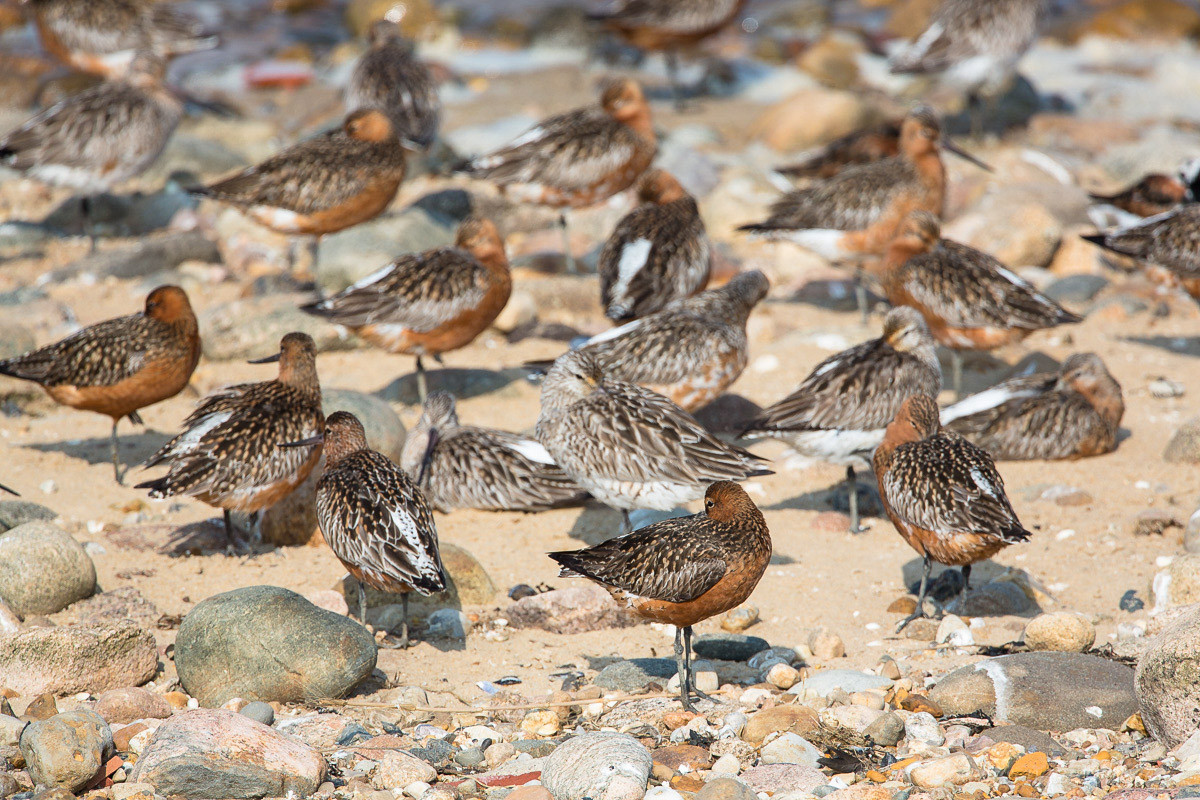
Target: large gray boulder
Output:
[(42, 569), (1168, 681), (268, 643)]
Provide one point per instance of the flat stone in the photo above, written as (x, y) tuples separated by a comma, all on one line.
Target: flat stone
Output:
[(798, 719), (71, 659), (42, 569), (848, 680), (674, 757), (1047, 691), (728, 646), (268, 643), (574, 609), (790, 748), (322, 731), (725, 789), (398, 769), (221, 754), (779, 778), (633, 674), (126, 705), (952, 770)]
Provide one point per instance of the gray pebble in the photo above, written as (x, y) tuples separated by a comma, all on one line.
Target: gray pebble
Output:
[(259, 712)]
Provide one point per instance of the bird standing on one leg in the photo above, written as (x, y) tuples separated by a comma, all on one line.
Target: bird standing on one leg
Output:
[(374, 518), (685, 570), (943, 494), (121, 365)]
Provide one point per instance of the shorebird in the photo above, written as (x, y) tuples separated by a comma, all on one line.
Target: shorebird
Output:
[(1152, 195), (1170, 240), (121, 365), (685, 570), (970, 300), (1073, 413), (579, 158), (227, 456), (668, 26), (461, 466), (103, 36), (99, 137), (856, 213), (975, 46), (373, 517), (840, 411), (390, 77), (690, 352), (943, 494), (628, 446), (321, 185), (426, 304), (860, 147), (657, 254)]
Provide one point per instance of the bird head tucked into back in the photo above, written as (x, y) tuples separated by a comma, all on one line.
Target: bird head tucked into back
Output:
[(369, 125), (169, 304), (726, 501), (919, 233), (574, 375), (480, 237), (917, 419), (659, 187), (1086, 374), (905, 330), (438, 417)]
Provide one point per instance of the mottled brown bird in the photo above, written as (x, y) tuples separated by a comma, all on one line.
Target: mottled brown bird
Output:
[(668, 26), (462, 466), (375, 520), (970, 300), (579, 158), (691, 351), (1152, 195), (840, 411), (227, 455), (1170, 240), (657, 254), (391, 78), (324, 184), (859, 211), (426, 304), (120, 365), (860, 147), (103, 36), (683, 571), (628, 446), (1072, 413), (101, 136), (943, 494)]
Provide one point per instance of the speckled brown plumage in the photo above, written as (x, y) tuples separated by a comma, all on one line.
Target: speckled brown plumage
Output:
[(578, 158), (374, 518), (942, 493), (1073, 413), (462, 466), (391, 78), (628, 446), (101, 136), (691, 351), (1152, 195), (685, 570), (969, 299), (659, 24), (323, 184), (860, 147), (867, 202), (121, 365), (657, 254), (428, 303), (101, 36), (228, 456), (1170, 240)]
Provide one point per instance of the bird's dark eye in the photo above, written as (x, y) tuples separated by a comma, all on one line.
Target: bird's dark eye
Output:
[(709, 504)]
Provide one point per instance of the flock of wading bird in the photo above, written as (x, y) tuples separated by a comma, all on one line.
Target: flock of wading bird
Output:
[(614, 422)]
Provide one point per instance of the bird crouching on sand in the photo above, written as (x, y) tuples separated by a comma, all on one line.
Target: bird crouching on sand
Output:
[(685, 570), (121, 365)]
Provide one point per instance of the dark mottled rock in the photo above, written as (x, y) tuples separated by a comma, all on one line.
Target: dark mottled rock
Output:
[(632, 675), (268, 643), (1047, 691), (1034, 741), (728, 646)]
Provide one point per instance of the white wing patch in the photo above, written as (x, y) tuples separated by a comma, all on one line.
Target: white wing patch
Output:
[(633, 258), (832, 364), (613, 333), (991, 398), (921, 46), (190, 440), (403, 522), (985, 485), (824, 242), (374, 277), (532, 450)]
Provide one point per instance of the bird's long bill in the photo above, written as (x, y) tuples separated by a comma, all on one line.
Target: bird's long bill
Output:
[(312, 441), (964, 155), (266, 360), (427, 459), (10, 491)]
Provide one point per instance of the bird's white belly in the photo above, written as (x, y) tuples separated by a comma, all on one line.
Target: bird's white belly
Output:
[(653, 495), (850, 448)]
